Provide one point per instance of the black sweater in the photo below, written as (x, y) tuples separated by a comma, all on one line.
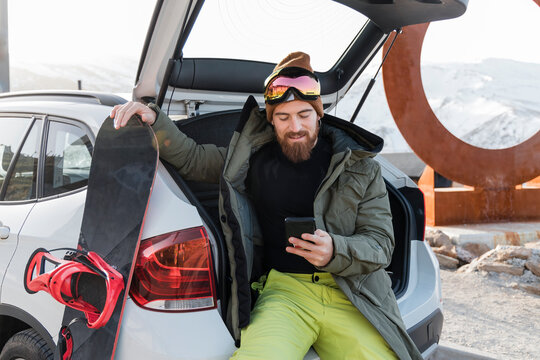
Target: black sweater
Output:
[(280, 188)]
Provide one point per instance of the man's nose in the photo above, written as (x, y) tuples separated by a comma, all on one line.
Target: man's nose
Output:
[(296, 124)]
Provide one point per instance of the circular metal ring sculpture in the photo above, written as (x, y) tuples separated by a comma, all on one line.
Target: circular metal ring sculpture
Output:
[(432, 142)]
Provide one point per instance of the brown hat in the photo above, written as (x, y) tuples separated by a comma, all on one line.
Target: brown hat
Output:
[(296, 59)]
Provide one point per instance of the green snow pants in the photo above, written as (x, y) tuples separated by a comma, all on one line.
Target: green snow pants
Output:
[(296, 311)]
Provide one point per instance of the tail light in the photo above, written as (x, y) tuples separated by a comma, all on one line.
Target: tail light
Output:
[(174, 272)]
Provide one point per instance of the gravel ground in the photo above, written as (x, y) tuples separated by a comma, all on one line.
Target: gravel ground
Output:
[(480, 312)]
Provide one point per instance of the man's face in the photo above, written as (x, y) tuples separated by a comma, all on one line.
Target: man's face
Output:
[(297, 126)]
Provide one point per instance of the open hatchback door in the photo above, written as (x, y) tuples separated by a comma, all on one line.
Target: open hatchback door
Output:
[(206, 56)]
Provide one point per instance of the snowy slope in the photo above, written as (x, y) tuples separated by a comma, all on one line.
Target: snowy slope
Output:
[(108, 76), (493, 104)]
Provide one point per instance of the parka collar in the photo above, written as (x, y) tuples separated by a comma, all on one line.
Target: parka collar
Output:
[(345, 135), (342, 134)]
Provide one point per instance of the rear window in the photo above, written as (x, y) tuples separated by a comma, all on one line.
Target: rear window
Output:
[(267, 31)]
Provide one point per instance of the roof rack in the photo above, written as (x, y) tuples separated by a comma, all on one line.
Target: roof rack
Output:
[(88, 97)]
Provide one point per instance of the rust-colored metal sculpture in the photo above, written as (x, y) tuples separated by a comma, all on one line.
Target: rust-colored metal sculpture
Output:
[(492, 174)]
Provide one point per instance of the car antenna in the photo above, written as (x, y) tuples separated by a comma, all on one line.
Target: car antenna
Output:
[(372, 81)]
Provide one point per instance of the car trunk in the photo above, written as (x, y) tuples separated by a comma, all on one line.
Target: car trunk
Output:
[(205, 96)]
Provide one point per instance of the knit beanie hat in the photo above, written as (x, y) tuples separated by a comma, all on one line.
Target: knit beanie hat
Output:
[(296, 59)]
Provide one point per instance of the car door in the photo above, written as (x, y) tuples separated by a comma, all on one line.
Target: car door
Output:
[(55, 219), (19, 154)]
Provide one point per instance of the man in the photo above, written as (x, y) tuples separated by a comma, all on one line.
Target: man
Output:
[(329, 290)]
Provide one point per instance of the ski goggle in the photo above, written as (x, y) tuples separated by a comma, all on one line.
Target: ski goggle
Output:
[(278, 86), (82, 281)]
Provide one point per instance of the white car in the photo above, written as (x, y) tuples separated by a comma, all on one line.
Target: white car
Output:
[(46, 142)]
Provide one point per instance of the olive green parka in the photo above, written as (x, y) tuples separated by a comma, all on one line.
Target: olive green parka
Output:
[(351, 205)]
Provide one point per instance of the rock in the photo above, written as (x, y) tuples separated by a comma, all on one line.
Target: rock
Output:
[(437, 238), (463, 255), (507, 252), (446, 250), (531, 288), (500, 268), (533, 245), (516, 262), (466, 268), (491, 255), (529, 277), (534, 266), (477, 249), (447, 262)]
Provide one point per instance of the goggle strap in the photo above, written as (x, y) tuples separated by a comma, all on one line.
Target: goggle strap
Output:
[(289, 72)]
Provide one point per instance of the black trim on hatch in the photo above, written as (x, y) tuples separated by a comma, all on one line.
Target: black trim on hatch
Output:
[(416, 198), (399, 266), (428, 331), (392, 14), (245, 76)]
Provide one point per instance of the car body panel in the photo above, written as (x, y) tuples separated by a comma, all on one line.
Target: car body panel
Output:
[(160, 47), (392, 174), (12, 216), (51, 224), (395, 14), (170, 336), (420, 298), (168, 209)]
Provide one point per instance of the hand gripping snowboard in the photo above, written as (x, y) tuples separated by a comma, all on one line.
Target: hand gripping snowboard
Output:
[(122, 175)]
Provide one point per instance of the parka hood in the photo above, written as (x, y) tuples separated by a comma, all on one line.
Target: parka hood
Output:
[(344, 134)]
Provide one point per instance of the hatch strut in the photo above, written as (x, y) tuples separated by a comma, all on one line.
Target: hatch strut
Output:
[(372, 81)]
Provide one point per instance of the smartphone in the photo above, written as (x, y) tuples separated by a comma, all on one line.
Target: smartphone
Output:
[(296, 226)]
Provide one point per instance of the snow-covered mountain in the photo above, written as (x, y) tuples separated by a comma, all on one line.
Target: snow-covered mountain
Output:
[(491, 104), (111, 75)]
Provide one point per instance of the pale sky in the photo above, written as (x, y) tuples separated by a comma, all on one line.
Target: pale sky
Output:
[(489, 28), (64, 31), (69, 30)]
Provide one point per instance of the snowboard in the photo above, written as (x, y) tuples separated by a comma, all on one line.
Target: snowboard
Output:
[(122, 174)]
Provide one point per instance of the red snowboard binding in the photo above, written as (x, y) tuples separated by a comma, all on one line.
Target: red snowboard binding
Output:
[(64, 282)]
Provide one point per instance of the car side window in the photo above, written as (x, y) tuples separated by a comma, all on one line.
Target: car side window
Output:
[(67, 160), (12, 131), (22, 182)]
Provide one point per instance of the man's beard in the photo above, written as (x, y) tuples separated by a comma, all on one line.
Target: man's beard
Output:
[(301, 150)]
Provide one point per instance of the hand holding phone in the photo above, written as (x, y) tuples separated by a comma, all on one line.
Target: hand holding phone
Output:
[(296, 226)]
